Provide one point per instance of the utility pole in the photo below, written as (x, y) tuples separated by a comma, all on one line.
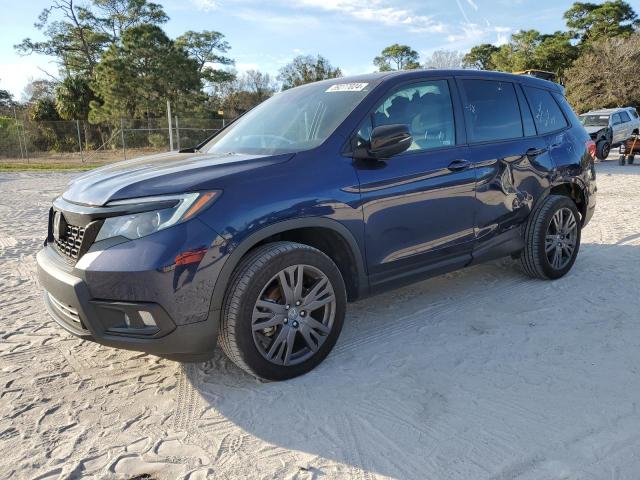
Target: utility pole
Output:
[(178, 132), (79, 140), (124, 151), (15, 115), (170, 126)]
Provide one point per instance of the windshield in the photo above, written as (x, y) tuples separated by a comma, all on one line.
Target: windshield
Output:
[(594, 120), (294, 120)]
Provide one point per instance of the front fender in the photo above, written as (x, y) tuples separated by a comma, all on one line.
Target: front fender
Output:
[(235, 252)]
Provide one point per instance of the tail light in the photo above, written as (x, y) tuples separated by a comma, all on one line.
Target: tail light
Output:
[(591, 148)]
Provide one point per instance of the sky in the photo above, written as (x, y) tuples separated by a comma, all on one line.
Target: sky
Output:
[(266, 34)]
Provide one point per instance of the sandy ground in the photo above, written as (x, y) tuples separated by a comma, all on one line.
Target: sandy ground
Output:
[(479, 374)]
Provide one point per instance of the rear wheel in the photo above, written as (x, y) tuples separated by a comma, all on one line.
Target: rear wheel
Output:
[(283, 311), (552, 238)]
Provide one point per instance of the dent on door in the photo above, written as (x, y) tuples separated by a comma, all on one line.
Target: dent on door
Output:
[(509, 182)]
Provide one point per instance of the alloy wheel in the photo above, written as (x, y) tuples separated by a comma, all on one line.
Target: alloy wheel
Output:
[(293, 315), (561, 238)]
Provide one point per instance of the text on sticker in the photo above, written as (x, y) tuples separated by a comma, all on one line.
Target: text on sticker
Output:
[(347, 87)]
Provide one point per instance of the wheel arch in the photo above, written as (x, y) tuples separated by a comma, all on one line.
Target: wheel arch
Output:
[(345, 252), (575, 191)]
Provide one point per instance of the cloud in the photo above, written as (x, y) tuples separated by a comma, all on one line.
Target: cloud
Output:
[(378, 11), (205, 5), (474, 32), (473, 5), (15, 76)]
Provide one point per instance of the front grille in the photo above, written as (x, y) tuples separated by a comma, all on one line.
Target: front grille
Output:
[(70, 242), (66, 313)]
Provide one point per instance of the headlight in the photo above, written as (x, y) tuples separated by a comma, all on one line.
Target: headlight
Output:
[(137, 225)]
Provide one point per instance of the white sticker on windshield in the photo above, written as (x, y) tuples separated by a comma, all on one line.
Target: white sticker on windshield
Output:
[(347, 87)]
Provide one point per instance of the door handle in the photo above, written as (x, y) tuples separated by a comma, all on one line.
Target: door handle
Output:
[(458, 165), (534, 152)]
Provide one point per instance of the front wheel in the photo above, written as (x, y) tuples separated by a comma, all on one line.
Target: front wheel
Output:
[(552, 238), (602, 149), (283, 311)]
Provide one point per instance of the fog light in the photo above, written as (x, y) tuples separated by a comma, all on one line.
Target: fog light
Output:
[(147, 319), (134, 319)]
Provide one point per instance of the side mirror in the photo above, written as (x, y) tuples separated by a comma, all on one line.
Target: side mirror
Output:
[(386, 141)]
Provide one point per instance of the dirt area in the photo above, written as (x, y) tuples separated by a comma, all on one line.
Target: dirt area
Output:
[(479, 374)]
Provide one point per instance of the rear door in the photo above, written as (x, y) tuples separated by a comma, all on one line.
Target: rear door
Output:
[(510, 158), (618, 128), (626, 124)]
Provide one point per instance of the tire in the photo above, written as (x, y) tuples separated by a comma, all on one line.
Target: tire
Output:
[(603, 147), (536, 259), (270, 353), (621, 160)]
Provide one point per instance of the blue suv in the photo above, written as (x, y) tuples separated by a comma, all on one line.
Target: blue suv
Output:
[(323, 194)]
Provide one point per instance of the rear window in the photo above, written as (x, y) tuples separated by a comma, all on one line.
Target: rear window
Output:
[(546, 112), (491, 110)]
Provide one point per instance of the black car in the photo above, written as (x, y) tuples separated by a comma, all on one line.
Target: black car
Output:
[(323, 194)]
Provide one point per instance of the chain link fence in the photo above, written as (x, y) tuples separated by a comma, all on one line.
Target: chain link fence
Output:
[(78, 141)]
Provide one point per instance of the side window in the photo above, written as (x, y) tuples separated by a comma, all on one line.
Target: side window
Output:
[(625, 117), (546, 112), (425, 107), (527, 119), (634, 113), (566, 109), (615, 119), (491, 110)]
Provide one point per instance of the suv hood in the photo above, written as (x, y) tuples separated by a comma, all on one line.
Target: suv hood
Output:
[(162, 174), (595, 129)]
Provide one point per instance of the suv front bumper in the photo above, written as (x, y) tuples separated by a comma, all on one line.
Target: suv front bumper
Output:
[(69, 301)]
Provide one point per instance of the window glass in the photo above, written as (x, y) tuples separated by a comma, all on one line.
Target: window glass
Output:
[(425, 107), (568, 111), (634, 113), (491, 110), (625, 117), (615, 119), (546, 112), (292, 121), (527, 119)]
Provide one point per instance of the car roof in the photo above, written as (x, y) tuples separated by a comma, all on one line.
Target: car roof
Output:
[(396, 76), (607, 111)]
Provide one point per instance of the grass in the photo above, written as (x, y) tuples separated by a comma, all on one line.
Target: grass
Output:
[(46, 167)]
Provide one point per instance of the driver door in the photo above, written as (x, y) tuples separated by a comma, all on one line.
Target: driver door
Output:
[(418, 206)]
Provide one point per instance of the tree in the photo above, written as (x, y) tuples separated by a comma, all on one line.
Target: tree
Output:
[(480, 57), (39, 89), (244, 92), (530, 49), (444, 60), (306, 69), (113, 17), (206, 48), (73, 97), (555, 53), (590, 21), (6, 99), (397, 57), (589, 88), (136, 78), (70, 38)]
